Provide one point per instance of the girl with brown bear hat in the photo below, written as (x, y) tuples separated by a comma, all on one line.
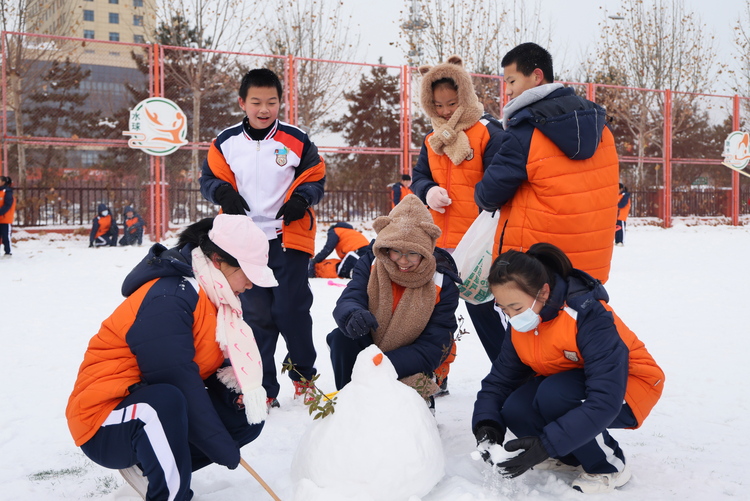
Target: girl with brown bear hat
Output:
[(454, 155), (402, 298)]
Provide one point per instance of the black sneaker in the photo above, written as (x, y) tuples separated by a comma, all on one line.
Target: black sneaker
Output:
[(443, 391)]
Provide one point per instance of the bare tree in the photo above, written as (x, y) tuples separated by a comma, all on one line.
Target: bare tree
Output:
[(656, 45), (207, 26), (468, 29), (314, 29), (741, 75)]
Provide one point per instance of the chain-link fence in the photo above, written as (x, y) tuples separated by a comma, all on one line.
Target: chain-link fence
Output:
[(67, 101)]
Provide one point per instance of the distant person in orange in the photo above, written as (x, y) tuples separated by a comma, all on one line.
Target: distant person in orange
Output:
[(7, 211), (400, 190), (104, 228), (623, 208), (132, 231), (348, 243)]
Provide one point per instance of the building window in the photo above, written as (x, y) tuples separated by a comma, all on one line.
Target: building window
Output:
[(114, 37), (114, 18), (137, 20), (88, 34), (138, 39), (137, 3), (88, 15), (114, 1), (114, 54), (88, 0)]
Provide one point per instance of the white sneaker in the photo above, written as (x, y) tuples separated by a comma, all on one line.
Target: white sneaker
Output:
[(134, 476), (553, 464), (596, 483)]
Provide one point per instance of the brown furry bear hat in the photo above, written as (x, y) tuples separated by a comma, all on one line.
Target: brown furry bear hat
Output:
[(449, 136)]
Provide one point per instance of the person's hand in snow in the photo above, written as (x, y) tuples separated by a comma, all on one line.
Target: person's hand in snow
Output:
[(487, 436), (360, 322), (534, 454), (437, 198)]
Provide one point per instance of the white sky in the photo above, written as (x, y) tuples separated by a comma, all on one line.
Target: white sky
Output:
[(575, 26)]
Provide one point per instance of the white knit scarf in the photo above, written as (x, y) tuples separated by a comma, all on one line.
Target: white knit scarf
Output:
[(235, 338)]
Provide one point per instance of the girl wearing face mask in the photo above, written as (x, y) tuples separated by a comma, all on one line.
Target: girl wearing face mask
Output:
[(569, 369)]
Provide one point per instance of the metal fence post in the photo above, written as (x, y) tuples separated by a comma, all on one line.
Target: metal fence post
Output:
[(667, 195), (736, 175)]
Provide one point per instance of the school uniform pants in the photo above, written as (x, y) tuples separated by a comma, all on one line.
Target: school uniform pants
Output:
[(620, 231), (344, 351), (129, 238), (489, 326), (284, 310), (350, 260), (5, 231), (542, 400), (150, 428)]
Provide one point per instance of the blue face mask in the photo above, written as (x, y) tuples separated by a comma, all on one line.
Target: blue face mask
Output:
[(526, 320)]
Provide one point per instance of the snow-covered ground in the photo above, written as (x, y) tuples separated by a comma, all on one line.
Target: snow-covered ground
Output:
[(682, 290)]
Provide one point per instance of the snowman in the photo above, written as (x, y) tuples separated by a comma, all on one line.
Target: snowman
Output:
[(381, 443)]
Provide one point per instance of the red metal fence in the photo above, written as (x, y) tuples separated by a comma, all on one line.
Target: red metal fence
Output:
[(66, 101)]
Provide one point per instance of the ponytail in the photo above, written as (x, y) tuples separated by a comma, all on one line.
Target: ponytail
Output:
[(197, 234), (532, 269)]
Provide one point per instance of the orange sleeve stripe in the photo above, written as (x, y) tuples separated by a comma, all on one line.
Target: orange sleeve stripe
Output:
[(219, 166)]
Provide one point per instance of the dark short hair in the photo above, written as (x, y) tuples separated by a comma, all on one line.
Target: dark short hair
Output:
[(405, 177), (259, 77), (6, 180), (528, 57)]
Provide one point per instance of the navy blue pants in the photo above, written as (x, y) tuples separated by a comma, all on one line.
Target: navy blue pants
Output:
[(284, 310), (344, 351), (620, 232), (489, 327), (544, 399), (132, 238), (5, 237), (152, 431)]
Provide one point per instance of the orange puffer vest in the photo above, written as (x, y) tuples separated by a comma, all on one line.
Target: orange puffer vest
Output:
[(459, 181), (554, 349), (568, 203)]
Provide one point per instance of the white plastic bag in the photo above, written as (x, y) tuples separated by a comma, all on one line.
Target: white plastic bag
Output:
[(473, 257)]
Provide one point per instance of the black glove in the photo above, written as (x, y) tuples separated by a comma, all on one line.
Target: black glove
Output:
[(311, 269), (294, 209), (231, 202), (360, 322), (534, 454), (491, 435)]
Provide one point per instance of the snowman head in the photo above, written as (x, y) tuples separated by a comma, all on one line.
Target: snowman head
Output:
[(372, 367)]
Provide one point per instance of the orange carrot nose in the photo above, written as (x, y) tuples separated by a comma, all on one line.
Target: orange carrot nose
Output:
[(377, 359)]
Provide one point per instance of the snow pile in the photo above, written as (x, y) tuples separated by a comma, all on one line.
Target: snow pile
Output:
[(381, 443)]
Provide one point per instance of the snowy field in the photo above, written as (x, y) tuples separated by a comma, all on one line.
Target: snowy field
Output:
[(683, 291)]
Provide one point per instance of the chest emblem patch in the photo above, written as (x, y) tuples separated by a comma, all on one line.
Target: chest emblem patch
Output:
[(571, 355), (281, 156)]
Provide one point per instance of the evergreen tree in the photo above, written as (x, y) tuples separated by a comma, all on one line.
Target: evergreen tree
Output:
[(371, 121), (58, 111)]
